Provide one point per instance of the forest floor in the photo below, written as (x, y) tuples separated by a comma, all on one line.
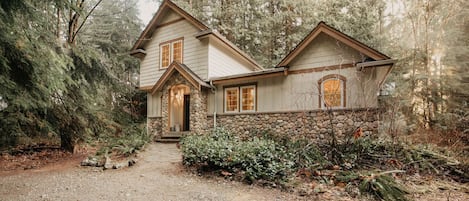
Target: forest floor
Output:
[(159, 175)]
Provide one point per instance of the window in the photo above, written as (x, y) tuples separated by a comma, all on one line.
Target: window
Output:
[(248, 98), (177, 51), (332, 91), (240, 99), (165, 56), (170, 51), (231, 99)]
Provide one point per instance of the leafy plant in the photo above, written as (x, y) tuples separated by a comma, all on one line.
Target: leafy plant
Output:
[(257, 158), (383, 187)]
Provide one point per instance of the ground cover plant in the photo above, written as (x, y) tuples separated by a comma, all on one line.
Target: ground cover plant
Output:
[(372, 166)]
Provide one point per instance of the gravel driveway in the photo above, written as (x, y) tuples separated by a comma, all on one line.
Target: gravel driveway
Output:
[(157, 176)]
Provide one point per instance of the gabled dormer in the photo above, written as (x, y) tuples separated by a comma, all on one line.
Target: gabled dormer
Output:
[(173, 35)]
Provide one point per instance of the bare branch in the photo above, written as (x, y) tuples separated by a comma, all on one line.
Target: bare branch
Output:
[(84, 20)]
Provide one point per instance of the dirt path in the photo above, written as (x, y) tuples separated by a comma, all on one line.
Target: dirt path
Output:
[(156, 176)]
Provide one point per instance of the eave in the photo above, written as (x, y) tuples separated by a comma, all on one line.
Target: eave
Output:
[(273, 72), (185, 72), (154, 22), (139, 53), (389, 63), (322, 27)]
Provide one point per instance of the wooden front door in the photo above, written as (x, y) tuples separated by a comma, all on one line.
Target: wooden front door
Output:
[(187, 113)]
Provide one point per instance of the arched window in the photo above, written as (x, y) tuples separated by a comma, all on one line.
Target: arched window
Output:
[(332, 91)]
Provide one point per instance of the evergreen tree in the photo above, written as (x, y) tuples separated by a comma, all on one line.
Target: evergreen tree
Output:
[(430, 39), (57, 78)]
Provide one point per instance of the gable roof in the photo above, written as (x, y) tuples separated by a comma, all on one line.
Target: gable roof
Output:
[(185, 72), (155, 22), (322, 27), (230, 45)]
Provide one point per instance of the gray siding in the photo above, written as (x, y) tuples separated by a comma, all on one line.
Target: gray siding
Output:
[(223, 62), (154, 105), (194, 55), (297, 92), (325, 51)]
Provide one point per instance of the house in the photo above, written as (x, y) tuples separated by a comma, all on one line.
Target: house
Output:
[(196, 80)]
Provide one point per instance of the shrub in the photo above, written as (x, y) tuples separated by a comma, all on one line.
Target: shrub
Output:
[(258, 158)]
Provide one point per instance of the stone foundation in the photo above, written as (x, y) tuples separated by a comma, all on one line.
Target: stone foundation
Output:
[(312, 124), (155, 126)]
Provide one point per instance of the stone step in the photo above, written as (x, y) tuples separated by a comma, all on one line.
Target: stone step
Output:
[(167, 140), (172, 135)]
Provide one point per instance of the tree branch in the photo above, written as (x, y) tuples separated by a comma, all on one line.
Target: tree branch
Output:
[(84, 20)]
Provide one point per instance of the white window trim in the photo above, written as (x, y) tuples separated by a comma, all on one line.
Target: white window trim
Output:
[(171, 52), (323, 105), (226, 99), (241, 98)]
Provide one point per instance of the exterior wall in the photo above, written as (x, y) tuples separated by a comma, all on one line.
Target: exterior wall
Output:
[(170, 16), (301, 91), (311, 124), (154, 126), (222, 61), (325, 51), (154, 104), (195, 52), (159, 126)]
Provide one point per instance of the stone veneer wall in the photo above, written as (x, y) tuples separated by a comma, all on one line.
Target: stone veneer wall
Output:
[(311, 124), (198, 108), (154, 126)]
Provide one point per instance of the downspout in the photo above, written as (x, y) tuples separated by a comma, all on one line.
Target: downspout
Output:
[(214, 90)]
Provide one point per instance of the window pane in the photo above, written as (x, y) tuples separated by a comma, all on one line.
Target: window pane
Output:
[(231, 97), (177, 51), (165, 56), (332, 93), (248, 98)]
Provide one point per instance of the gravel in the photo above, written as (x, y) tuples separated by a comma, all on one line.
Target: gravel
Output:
[(158, 175)]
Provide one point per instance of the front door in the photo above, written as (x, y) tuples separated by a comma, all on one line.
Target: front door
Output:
[(187, 113), (179, 108)]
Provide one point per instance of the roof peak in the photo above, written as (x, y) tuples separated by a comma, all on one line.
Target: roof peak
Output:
[(323, 27)]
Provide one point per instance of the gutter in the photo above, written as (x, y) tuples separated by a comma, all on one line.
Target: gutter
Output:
[(362, 65), (214, 90), (379, 63)]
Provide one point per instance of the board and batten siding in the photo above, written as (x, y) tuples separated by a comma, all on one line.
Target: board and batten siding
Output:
[(325, 51), (222, 61), (297, 92), (195, 52), (154, 104)]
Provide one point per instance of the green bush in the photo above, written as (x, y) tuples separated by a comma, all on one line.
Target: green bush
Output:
[(258, 158)]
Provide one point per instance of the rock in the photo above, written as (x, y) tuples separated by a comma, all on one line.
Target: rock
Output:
[(120, 165), (93, 162), (107, 163), (340, 125), (132, 162), (341, 117)]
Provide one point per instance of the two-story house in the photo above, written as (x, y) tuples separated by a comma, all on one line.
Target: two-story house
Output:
[(196, 80)]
